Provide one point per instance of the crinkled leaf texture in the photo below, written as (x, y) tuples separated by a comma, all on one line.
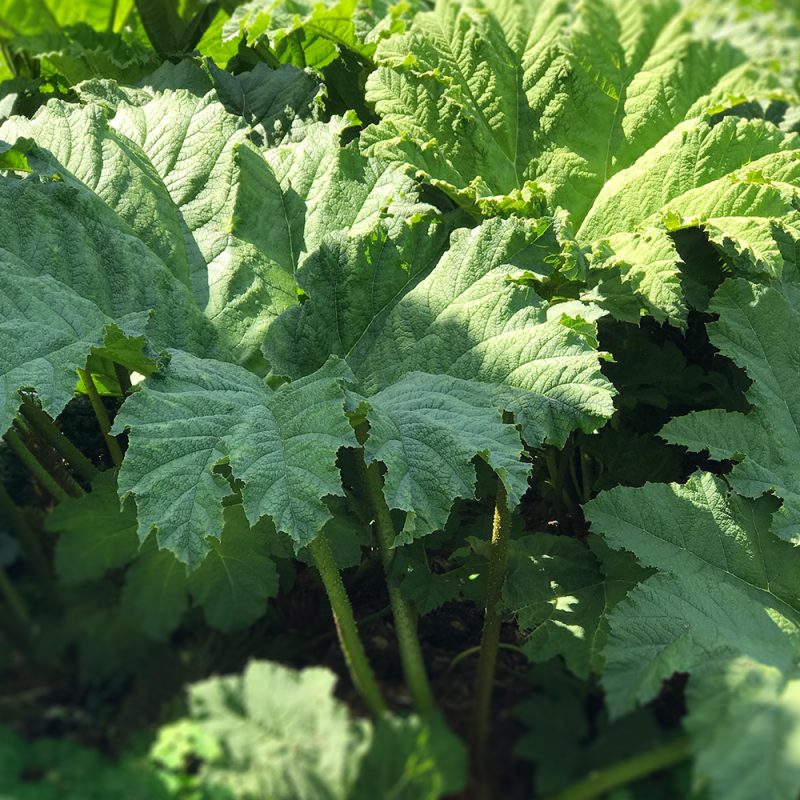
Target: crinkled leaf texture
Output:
[(149, 204), (280, 733), (198, 414), (724, 608), (611, 110), (438, 349), (468, 317), (760, 331), (432, 349)]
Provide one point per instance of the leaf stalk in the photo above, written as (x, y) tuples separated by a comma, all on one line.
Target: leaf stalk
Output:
[(102, 416), (34, 466), (352, 647), (603, 781), (490, 639), (48, 430), (405, 622)]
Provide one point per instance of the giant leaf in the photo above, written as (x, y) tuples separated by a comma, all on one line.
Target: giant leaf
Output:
[(152, 201), (439, 348), (724, 608), (546, 93), (468, 318), (599, 108)]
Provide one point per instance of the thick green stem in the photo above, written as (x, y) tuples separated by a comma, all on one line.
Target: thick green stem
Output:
[(490, 639), (32, 464), (102, 417), (357, 662), (603, 781), (47, 429), (405, 622), (123, 378), (28, 540)]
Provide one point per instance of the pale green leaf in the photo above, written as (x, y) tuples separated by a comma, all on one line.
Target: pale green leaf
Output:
[(279, 733), (608, 109), (487, 97), (311, 33)]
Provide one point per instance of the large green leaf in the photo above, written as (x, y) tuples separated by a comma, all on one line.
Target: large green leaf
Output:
[(199, 414), (439, 346), (427, 429), (153, 201), (758, 330), (178, 168), (546, 93), (724, 608), (434, 363), (606, 109), (468, 317)]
